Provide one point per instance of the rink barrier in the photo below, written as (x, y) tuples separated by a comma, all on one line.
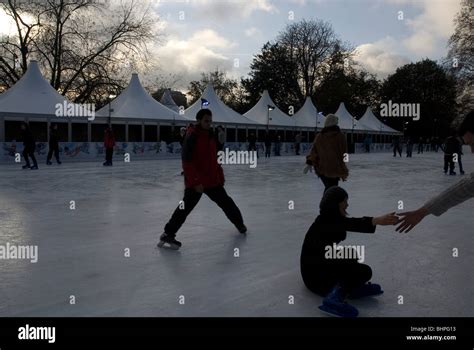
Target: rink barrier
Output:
[(149, 150)]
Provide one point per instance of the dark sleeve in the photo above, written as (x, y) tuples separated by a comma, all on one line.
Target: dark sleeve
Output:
[(187, 153), (363, 224)]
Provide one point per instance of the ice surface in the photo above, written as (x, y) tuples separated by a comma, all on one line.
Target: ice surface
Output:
[(81, 252)]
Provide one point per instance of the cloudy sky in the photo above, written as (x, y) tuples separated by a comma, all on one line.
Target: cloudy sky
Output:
[(201, 35)]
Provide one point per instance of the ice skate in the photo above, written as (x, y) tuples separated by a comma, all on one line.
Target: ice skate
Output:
[(334, 304), (167, 241)]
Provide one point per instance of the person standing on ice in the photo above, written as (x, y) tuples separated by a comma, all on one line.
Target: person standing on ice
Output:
[(449, 148), (202, 174), (335, 277), (268, 145), (459, 143), (396, 146), (298, 139), (252, 141), (29, 144), (277, 145), (53, 144), (454, 195), (109, 143), (220, 138), (420, 145), (409, 147), (328, 152)]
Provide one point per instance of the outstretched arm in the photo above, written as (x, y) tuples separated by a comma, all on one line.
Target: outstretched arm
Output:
[(454, 195)]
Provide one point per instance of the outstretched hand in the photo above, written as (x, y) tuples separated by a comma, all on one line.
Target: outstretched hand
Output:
[(387, 219), (410, 219)]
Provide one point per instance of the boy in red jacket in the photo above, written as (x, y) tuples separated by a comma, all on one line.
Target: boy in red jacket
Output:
[(202, 174)]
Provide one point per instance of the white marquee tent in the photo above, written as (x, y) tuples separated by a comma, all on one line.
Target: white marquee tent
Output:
[(260, 114), (308, 115), (135, 103), (221, 113), (167, 101), (371, 120), (347, 121), (33, 96)]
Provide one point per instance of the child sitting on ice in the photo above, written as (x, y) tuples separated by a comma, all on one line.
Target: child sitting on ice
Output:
[(338, 278)]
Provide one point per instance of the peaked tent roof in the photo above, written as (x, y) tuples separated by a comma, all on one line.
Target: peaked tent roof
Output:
[(346, 120), (135, 102), (167, 101), (259, 113), (371, 120), (306, 116), (221, 113), (31, 95)]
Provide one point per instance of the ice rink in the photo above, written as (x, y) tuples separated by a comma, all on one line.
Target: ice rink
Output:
[(82, 252)]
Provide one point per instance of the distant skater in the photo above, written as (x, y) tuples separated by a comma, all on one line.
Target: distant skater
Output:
[(409, 147), (298, 138), (396, 146), (53, 144), (268, 145), (202, 174), (449, 148), (328, 152), (220, 138), (29, 143), (109, 144), (252, 140)]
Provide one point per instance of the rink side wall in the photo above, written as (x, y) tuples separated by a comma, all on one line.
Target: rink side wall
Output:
[(83, 151)]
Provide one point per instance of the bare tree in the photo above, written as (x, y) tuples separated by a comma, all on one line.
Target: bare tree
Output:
[(86, 46)]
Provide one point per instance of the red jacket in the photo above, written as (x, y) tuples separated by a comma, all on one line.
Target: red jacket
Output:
[(199, 156), (109, 140)]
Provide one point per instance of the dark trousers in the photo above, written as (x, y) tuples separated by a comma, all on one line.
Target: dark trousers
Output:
[(461, 170), (268, 151), (420, 148), (253, 147), (220, 146), (277, 149), (297, 149), (329, 181), (192, 197), (348, 275), (29, 152), (397, 149), (448, 161), (53, 149), (109, 152)]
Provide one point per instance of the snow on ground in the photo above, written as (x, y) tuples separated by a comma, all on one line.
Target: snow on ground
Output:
[(82, 251)]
